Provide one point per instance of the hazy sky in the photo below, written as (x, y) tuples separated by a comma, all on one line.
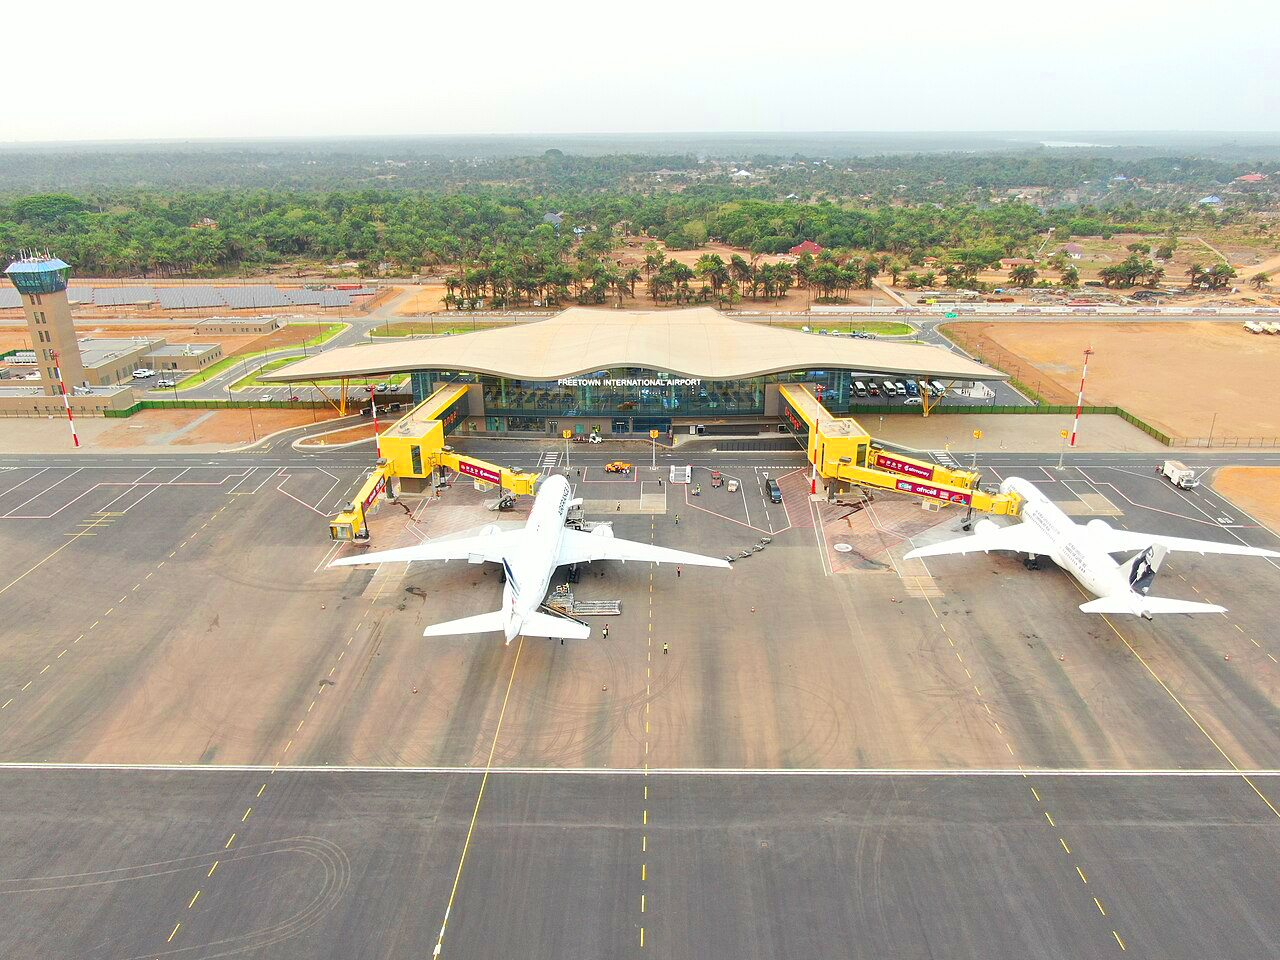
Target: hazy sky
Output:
[(136, 69)]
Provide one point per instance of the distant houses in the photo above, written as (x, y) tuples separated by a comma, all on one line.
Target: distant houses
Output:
[(1212, 200), (555, 219), (806, 246)]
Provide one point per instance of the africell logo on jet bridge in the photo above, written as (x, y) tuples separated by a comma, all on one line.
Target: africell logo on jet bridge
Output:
[(928, 490), (480, 473), (901, 466)]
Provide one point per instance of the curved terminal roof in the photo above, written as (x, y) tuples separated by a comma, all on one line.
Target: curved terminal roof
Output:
[(695, 342)]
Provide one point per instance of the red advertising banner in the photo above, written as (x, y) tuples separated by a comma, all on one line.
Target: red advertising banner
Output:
[(798, 425), (373, 494), (929, 490), (480, 473), (901, 466)]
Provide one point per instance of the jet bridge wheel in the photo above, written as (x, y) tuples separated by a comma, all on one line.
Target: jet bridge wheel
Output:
[(1031, 562)]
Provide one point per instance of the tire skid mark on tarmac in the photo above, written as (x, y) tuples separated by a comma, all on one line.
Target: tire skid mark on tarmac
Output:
[(333, 861)]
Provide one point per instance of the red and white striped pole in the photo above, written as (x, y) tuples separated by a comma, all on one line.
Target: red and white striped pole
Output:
[(65, 401), (373, 408), (1080, 399)]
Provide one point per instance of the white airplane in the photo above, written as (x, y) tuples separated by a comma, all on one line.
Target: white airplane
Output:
[(529, 557), (1084, 552)]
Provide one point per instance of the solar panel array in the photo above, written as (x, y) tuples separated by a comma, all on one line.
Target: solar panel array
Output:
[(118, 296), (243, 297), (250, 298), (185, 298)]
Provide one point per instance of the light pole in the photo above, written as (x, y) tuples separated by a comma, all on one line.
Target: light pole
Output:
[(1212, 423), (566, 434), (653, 445), (1062, 447)]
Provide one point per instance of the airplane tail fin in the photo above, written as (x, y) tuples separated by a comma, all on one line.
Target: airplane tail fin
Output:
[(1141, 606), (1142, 567)]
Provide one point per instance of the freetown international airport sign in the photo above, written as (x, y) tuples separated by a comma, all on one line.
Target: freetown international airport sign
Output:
[(627, 382)]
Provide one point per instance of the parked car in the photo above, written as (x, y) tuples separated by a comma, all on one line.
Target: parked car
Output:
[(912, 402), (142, 373), (165, 383), (775, 491)]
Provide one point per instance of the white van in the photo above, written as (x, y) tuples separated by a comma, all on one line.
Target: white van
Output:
[(901, 388), (142, 373), (859, 388), (890, 388)]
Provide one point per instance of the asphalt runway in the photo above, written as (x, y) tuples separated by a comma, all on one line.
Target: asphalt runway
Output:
[(178, 611), (115, 864)]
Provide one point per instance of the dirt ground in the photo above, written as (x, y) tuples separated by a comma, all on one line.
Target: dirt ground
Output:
[(190, 427), (1256, 490), (361, 431), (1183, 378)]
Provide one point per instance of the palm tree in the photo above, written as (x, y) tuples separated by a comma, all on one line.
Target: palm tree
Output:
[(653, 263), (1259, 280), (1070, 277), (1195, 273), (741, 272), (1220, 275), (1023, 275), (1154, 275)]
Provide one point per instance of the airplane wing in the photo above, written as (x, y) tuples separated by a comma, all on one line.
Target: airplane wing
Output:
[(579, 547), (1122, 541), (491, 547), (1020, 538)]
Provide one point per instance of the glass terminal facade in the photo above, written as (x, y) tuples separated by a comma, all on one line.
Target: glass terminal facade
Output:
[(631, 399)]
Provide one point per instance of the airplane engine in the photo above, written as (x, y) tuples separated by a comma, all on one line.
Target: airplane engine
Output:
[(985, 526), (489, 529), (604, 530), (1101, 526)]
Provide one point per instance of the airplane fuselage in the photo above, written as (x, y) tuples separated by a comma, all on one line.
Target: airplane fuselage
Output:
[(529, 569), (1073, 549)]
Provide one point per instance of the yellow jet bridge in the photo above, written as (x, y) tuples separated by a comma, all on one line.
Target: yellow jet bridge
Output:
[(842, 451), (410, 451)]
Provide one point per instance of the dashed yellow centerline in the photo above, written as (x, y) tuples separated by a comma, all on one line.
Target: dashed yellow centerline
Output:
[(1009, 746)]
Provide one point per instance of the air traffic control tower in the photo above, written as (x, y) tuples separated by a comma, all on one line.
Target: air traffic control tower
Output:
[(42, 283)]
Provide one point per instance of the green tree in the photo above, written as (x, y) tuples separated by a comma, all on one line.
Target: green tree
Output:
[(1023, 275)]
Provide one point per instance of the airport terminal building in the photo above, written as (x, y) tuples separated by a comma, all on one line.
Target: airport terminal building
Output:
[(624, 373)]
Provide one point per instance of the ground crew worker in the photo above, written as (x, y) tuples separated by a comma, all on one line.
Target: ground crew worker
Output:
[(677, 519), (664, 646), (606, 631), (677, 571)]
